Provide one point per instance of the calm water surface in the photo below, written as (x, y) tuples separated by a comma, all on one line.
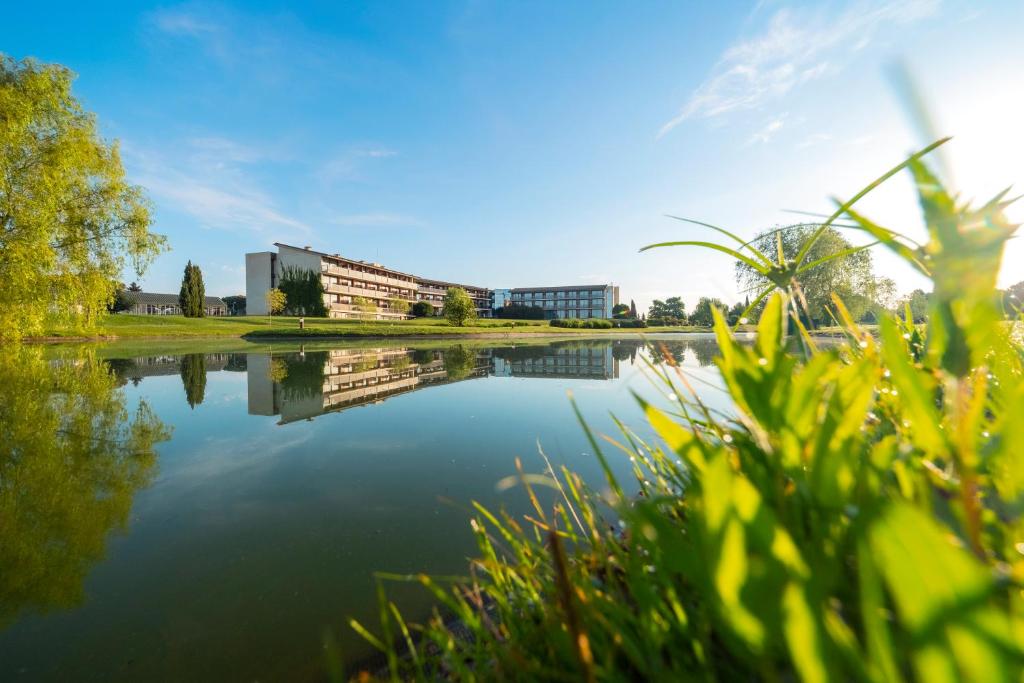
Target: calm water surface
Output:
[(210, 516)]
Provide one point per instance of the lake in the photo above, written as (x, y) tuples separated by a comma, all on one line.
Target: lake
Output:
[(167, 515)]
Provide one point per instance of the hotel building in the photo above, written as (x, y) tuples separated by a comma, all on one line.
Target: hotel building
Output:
[(348, 284), (359, 289), (577, 301)]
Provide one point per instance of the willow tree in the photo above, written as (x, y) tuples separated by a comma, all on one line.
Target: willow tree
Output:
[(69, 219)]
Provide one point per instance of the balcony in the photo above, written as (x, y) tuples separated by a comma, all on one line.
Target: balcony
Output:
[(339, 271), (349, 290)]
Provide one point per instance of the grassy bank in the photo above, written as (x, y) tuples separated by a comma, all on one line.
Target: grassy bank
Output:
[(261, 327)]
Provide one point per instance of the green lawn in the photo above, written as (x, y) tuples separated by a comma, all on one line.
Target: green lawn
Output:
[(171, 326)]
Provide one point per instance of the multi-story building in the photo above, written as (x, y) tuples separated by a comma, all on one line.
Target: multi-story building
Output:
[(575, 301), (434, 291), (359, 289), (353, 289)]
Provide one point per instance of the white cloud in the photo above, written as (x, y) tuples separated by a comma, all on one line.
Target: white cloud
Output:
[(346, 165), (814, 139), (180, 22), (796, 46), (768, 132), (210, 188), (367, 220), (224, 149)]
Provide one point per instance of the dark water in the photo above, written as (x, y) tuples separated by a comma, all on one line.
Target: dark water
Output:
[(210, 516)]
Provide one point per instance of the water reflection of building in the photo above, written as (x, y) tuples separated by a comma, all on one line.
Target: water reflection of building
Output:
[(571, 360), (302, 385)]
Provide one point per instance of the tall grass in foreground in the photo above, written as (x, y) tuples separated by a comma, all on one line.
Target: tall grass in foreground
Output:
[(858, 516)]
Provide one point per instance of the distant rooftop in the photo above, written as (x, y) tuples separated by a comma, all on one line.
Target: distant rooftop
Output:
[(568, 288), (339, 257), (170, 299)]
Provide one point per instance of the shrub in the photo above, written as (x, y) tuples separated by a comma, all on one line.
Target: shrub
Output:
[(520, 312), (857, 515), (629, 322), (422, 309)]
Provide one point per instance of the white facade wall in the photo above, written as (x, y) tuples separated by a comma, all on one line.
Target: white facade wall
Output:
[(257, 281)]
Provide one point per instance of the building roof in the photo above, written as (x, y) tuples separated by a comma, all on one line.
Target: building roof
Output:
[(442, 283), (339, 257), (170, 299), (567, 288)]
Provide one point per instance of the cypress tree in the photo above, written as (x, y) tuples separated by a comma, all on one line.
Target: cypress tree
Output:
[(193, 378), (192, 296)]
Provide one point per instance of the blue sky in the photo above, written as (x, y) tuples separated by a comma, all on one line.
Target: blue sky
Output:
[(528, 143)]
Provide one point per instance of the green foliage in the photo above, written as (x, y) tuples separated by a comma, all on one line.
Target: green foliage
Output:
[(123, 300), (843, 270), (193, 378), (72, 457), (303, 291), (672, 308), (235, 304), (620, 311), (276, 301), (589, 323), (396, 305), (520, 312), (858, 514), (192, 297), (1013, 300), (363, 305), (69, 220), (422, 309), (458, 307), (459, 361), (628, 322), (703, 314)]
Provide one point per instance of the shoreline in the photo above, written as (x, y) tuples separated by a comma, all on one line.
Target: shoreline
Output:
[(316, 336)]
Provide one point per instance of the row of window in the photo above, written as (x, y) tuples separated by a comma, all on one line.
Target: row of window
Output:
[(568, 303), (557, 295)]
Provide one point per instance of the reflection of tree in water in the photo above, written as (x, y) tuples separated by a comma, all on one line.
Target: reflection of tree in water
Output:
[(459, 362), (400, 363), (72, 458), (625, 349), (237, 362), (303, 374), (705, 350), (423, 356), (193, 377)]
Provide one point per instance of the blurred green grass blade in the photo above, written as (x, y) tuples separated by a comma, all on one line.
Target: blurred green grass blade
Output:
[(717, 247), (743, 243), (867, 189)]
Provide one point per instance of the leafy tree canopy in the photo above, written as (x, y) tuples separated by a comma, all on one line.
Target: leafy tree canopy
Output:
[(849, 276), (671, 308), (702, 314), (69, 220), (422, 309), (458, 307)]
